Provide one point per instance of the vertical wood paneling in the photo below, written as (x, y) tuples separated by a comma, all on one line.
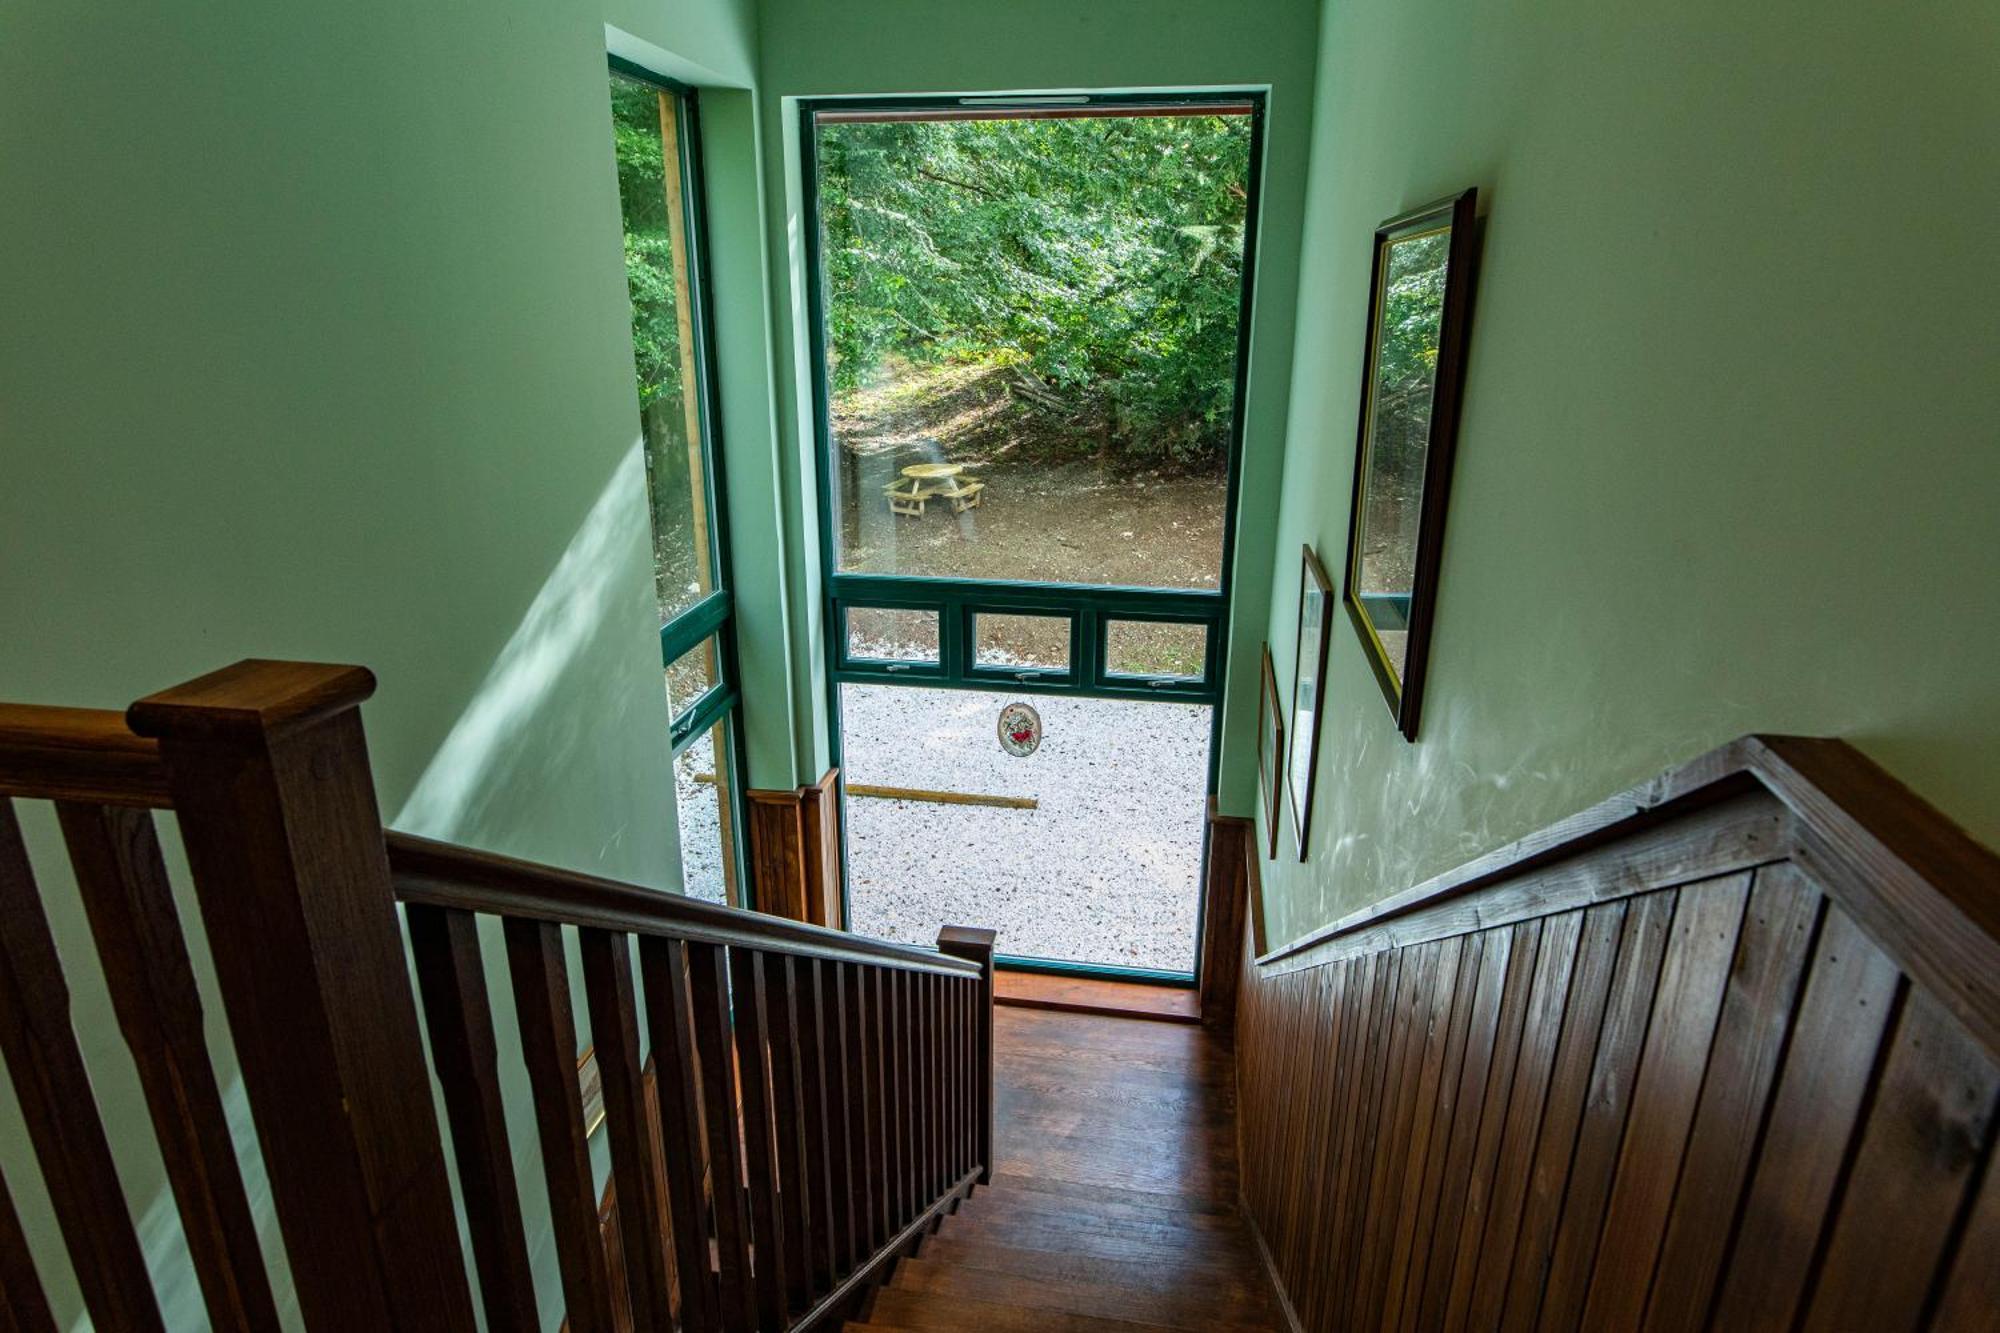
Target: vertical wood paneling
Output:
[(1850, 995), (1921, 1151), (1763, 988), (1513, 1272), (1713, 1105), (1692, 983), (1510, 1134)]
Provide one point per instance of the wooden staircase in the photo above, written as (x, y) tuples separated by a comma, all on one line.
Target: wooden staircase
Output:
[(1113, 1203), (1035, 1256)]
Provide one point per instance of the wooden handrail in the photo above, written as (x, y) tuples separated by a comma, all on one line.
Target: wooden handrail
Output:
[(442, 874), (1925, 888), (79, 754), (92, 755)]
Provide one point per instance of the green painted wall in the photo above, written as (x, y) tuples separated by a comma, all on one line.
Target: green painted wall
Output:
[(1728, 460), (316, 344), (811, 49)]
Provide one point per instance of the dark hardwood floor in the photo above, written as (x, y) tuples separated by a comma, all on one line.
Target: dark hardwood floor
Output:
[(1113, 1202)]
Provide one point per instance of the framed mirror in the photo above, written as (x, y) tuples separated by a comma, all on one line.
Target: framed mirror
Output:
[(1412, 370)]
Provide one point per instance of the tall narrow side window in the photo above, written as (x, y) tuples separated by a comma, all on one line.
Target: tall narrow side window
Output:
[(659, 179)]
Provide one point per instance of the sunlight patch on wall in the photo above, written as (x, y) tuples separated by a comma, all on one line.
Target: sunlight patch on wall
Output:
[(560, 622)]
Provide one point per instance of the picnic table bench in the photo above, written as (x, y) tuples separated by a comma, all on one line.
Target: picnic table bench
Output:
[(923, 482)]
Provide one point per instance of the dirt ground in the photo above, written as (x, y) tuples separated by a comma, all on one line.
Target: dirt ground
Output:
[(1056, 507)]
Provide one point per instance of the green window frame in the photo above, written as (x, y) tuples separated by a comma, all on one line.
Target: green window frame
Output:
[(957, 602), (709, 622)]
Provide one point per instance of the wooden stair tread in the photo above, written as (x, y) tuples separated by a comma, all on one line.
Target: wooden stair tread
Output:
[(899, 1308), (1229, 1281), (1027, 1203), (1202, 1307), (1069, 1189)]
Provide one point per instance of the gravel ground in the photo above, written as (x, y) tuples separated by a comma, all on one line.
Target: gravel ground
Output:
[(1104, 871)]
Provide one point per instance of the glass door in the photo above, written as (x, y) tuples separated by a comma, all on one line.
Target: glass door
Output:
[(1030, 317)]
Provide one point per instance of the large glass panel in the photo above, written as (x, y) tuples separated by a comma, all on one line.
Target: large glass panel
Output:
[(891, 634), (646, 123), (1038, 643), (1088, 850), (1031, 333), (708, 838), (1155, 648)]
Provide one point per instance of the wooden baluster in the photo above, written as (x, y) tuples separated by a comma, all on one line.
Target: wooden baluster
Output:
[(670, 1024), (548, 1046), (796, 1166), (860, 1144), (268, 768), (927, 1090), (715, 1047), (975, 945), (614, 1038), (459, 1016), (54, 1091), (899, 1094), (24, 1307), (878, 1085), (747, 972), (961, 1112), (839, 1142), (122, 880), (829, 1247)]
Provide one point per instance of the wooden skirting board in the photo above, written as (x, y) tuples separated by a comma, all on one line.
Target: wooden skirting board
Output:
[(794, 852), (1717, 1053)]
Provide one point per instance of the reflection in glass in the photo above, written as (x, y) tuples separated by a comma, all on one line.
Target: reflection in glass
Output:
[(1047, 308), (1409, 320), (892, 634), (1069, 855), (701, 798), (646, 132), (1029, 642), (1155, 648), (691, 675)]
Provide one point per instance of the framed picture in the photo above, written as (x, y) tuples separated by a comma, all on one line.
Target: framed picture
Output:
[(1308, 690), (1411, 374), (1270, 752)]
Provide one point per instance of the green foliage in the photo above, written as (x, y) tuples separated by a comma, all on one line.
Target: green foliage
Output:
[(1101, 258), (649, 267)]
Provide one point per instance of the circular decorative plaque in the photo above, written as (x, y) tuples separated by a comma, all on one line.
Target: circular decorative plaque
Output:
[(1020, 730)]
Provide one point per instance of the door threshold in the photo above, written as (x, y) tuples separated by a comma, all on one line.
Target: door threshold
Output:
[(1094, 995)]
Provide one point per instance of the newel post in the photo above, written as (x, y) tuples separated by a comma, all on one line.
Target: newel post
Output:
[(268, 771), (976, 945)]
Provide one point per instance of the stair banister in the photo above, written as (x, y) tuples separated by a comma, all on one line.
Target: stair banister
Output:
[(812, 1101)]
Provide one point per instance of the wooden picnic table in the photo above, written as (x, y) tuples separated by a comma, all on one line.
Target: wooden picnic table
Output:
[(922, 482)]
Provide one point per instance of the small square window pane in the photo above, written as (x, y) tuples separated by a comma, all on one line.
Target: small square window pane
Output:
[(1156, 648), (701, 799), (1028, 642), (692, 674), (891, 634)]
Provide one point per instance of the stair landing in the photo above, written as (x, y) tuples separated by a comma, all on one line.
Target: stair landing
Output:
[(1113, 1205)]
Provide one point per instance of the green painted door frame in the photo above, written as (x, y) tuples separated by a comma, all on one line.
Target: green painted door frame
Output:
[(1089, 608)]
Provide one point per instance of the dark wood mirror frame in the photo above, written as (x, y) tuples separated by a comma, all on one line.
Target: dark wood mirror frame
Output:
[(1458, 212)]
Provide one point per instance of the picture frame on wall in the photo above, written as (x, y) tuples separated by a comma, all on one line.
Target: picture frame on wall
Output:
[(1271, 753), (1308, 691), (1413, 370)]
